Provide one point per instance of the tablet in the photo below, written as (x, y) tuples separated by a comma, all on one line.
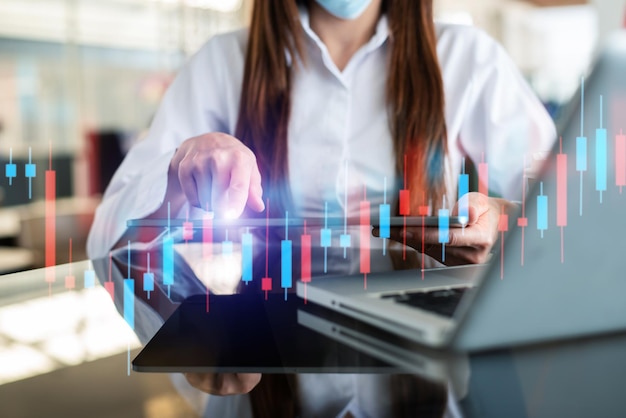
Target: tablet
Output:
[(329, 222), (245, 333)]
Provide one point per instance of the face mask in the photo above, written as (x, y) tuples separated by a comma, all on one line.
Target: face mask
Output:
[(344, 9)]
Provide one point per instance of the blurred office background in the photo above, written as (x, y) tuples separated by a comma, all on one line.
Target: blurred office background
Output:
[(80, 81)]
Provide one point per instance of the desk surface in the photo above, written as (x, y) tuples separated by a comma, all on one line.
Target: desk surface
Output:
[(583, 378)]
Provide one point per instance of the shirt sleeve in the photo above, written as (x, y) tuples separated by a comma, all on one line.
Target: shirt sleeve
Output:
[(505, 122), (190, 107)]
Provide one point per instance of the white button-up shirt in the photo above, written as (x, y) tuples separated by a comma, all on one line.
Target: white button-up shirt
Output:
[(339, 138), (339, 141)]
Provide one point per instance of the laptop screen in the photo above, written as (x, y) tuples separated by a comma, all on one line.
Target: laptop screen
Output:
[(561, 271)]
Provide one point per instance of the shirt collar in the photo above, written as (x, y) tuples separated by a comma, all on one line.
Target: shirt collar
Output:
[(380, 35)]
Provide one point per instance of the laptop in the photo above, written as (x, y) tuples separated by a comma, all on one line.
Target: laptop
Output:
[(560, 276)]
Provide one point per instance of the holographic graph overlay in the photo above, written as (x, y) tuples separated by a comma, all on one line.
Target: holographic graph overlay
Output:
[(366, 233), (305, 255), (423, 210), (207, 247), (620, 161), (207, 235), (542, 211), (483, 176), (286, 262), (463, 190), (581, 145), (601, 156), (384, 215), (148, 278), (129, 295), (30, 171), (561, 194), (10, 169), (227, 245), (405, 206), (503, 226), (266, 281), (444, 230), (50, 223), (345, 240), (522, 221), (187, 229), (89, 278), (247, 256), (70, 280), (129, 306), (109, 285), (325, 237), (168, 256)]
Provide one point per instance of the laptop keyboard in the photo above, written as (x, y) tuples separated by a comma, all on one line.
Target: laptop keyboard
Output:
[(442, 302)]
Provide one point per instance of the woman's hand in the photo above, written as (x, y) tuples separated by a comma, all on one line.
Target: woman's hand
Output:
[(469, 245), (216, 172), (223, 384)]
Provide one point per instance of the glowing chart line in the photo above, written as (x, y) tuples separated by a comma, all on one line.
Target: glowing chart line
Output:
[(207, 243), (345, 239), (109, 285), (168, 256), (286, 263), (246, 257), (148, 279), (384, 216), (601, 156), (266, 282), (483, 176), (10, 168), (503, 226), (542, 210), (89, 278), (422, 210), (365, 229), (129, 307), (187, 229), (305, 255), (581, 146), (30, 170), (444, 231), (561, 194), (463, 190), (129, 296), (70, 280), (325, 237), (227, 245), (50, 223), (405, 208), (620, 161), (207, 235), (522, 221)]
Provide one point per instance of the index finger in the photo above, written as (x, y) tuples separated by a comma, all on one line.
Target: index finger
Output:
[(232, 201)]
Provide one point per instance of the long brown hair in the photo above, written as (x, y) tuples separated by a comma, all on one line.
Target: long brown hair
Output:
[(415, 95), (415, 103)]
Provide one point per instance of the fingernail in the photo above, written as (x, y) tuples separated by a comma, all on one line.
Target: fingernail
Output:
[(407, 234)]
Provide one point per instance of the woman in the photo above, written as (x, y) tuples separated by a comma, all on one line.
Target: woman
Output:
[(320, 99)]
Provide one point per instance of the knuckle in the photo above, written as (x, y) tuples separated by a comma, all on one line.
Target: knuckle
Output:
[(218, 159), (243, 156)]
